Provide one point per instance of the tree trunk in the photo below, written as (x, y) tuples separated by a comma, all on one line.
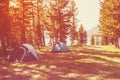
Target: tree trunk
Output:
[(116, 42), (3, 44)]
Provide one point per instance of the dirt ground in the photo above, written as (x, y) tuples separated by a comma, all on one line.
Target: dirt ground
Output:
[(85, 63)]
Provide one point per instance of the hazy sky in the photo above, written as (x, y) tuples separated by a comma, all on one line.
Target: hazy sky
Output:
[(88, 13)]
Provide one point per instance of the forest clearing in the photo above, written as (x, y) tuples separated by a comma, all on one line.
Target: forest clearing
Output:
[(31, 26), (81, 63)]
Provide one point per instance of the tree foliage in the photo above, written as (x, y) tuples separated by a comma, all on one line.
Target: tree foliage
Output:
[(4, 24), (25, 21), (60, 15), (92, 40), (110, 21), (82, 36), (73, 32)]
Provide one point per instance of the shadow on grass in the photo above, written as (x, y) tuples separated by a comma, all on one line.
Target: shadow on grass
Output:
[(82, 64)]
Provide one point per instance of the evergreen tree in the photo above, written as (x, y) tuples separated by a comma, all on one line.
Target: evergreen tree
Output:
[(92, 40), (85, 37), (60, 14), (73, 32), (109, 19), (82, 36), (26, 20), (4, 24)]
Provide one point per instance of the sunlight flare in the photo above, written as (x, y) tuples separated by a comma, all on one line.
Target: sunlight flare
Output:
[(72, 75), (13, 3), (52, 67), (36, 77), (17, 69)]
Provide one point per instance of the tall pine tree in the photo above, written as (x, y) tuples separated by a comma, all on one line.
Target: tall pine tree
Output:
[(61, 15), (110, 21), (4, 24), (73, 32)]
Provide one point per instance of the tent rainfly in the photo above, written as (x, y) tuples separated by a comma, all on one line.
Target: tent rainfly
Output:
[(23, 53), (60, 47)]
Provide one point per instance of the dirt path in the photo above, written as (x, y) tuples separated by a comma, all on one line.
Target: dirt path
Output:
[(79, 64)]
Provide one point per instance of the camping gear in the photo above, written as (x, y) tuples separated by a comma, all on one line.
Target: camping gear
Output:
[(22, 53), (60, 47)]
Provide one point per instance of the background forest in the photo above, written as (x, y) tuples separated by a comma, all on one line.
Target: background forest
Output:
[(27, 21)]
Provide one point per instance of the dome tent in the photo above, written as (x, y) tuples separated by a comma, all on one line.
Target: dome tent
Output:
[(60, 47), (23, 53)]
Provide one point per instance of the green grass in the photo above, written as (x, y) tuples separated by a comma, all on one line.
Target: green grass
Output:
[(81, 63), (107, 48)]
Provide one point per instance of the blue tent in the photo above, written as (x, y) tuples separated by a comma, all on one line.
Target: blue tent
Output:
[(60, 47)]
